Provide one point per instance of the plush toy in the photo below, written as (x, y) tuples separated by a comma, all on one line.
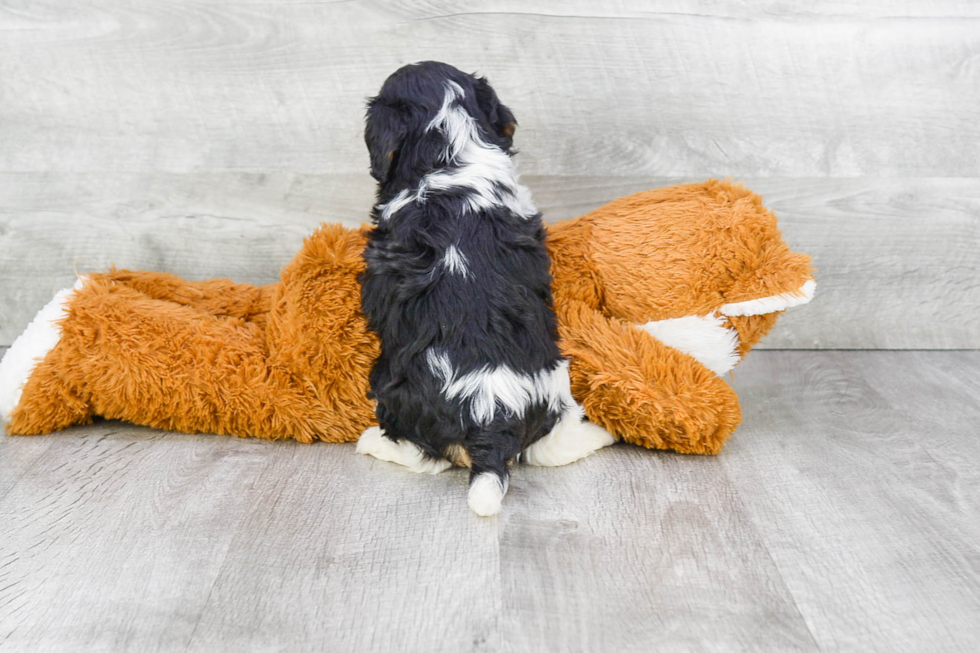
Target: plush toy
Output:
[(658, 295)]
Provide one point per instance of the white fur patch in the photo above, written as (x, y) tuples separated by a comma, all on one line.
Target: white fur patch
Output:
[(705, 338), (396, 204), (457, 125), (374, 443), (455, 261), (30, 348), (486, 493), (773, 303), (483, 168), (489, 387), (571, 439)]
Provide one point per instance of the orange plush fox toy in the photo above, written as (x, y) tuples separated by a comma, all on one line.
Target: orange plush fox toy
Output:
[(657, 295)]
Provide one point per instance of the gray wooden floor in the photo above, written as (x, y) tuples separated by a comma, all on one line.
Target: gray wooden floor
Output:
[(844, 515)]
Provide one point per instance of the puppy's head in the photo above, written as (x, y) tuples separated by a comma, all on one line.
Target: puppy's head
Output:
[(399, 130)]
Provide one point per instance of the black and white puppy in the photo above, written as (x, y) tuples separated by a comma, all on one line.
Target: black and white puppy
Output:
[(458, 289)]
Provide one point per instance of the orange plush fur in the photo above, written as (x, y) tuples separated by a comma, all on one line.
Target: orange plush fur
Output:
[(291, 360)]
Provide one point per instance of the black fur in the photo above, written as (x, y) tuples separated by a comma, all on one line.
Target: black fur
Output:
[(499, 314)]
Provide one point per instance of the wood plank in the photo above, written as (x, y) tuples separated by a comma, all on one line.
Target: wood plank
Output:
[(344, 552), (635, 551), (945, 386), (112, 541), (686, 88), (873, 522), (897, 259), (844, 515), (16, 461)]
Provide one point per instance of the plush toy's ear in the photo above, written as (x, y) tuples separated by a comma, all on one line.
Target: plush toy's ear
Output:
[(384, 133), (501, 118)]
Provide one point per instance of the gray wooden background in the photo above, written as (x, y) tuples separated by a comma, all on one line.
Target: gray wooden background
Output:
[(208, 137)]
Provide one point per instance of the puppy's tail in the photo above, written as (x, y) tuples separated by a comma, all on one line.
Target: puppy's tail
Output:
[(487, 489)]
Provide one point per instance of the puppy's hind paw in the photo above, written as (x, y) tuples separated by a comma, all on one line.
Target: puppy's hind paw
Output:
[(572, 439), (373, 442)]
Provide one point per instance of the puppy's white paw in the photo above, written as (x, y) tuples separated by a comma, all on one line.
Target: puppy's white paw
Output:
[(374, 443), (570, 440), (486, 494)]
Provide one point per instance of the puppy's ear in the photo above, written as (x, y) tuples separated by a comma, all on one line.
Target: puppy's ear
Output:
[(384, 132), (501, 118)]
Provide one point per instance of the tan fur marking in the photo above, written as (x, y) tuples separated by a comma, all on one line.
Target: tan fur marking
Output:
[(458, 455)]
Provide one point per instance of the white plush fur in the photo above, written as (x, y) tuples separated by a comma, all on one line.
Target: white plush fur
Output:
[(30, 348), (488, 387), (571, 439), (455, 261), (705, 338), (773, 303), (486, 494), (373, 443)]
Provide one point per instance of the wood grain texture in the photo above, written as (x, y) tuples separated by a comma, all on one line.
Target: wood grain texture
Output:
[(844, 515), (658, 545), (374, 558), (898, 259), (18, 461), (100, 536), (849, 469), (681, 88)]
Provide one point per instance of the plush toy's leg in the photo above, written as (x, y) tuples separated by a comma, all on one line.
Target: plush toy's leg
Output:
[(316, 330), (641, 390), (49, 403), (123, 355), (277, 362), (374, 443), (751, 329), (219, 297)]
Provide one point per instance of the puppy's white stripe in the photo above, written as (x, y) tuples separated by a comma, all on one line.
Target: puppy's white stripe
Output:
[(396, 203), (486, 494), (772, 303), (454, 123), (482, 167), (455, 261), (705, 338), (514, 391)]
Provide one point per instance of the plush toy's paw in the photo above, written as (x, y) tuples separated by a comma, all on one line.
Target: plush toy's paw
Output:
[(374, 443), (30, 348), (572, 439), (644, 391), (771, 303)]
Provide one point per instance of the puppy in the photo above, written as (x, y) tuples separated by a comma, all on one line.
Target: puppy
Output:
[(458, 289)]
